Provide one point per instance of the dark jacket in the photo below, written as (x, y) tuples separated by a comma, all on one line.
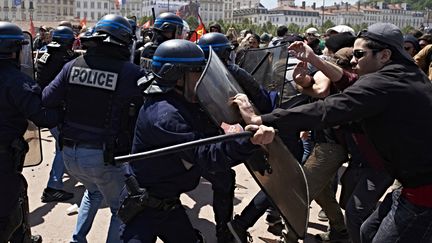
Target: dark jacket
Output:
[(393, 106), (168, 119)]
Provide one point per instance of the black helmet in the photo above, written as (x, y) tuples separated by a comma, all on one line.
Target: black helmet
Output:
[(171, 60), (169, 22), (11, 39), (133, 24), (63, 35), (115, 26), (219, 43)]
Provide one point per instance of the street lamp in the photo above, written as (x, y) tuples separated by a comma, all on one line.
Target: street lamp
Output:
[(322, 16)]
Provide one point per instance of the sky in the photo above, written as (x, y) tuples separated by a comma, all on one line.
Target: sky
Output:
[(273, 3)]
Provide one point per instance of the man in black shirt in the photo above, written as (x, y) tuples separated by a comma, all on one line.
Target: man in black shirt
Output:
[(391, 99)]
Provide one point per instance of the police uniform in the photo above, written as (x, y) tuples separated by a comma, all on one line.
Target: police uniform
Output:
[(19, 101), (99, 92), (169, 118), (51, 62)]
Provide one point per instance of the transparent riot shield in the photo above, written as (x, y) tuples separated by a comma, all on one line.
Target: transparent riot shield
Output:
[(27, 62), (33, 137), (274, 168), (268, 66)]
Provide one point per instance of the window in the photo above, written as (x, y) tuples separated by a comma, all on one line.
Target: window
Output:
[(78, 4), (92, 5), (85, 4)]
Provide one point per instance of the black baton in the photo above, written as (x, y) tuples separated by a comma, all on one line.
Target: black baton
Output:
[(181, 147)]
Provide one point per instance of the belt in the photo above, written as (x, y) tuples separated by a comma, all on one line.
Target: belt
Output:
[(88, 145)]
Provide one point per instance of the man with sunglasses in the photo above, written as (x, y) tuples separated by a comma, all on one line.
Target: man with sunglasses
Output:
[(391, 99)]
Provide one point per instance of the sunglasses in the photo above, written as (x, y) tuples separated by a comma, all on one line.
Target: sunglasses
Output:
[(361, 53)]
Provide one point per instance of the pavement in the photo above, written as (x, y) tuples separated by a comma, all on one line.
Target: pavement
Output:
[(52, 222)]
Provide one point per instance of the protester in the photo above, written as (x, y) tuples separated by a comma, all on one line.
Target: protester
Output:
[(390, 86)]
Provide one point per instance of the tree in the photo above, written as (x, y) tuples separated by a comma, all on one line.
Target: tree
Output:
[(293, 28), (327, 25)]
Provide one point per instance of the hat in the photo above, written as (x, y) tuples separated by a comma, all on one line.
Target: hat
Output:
[(43, 27), (265, 38), (388, 34), (312, 31), (341, 29), (411, 39), (343, 57), (340, 40)]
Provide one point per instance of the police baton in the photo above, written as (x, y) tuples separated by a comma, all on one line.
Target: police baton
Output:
[(181, 147)]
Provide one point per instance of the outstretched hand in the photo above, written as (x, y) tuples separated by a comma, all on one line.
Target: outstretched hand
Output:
[(246, 109), (302, 51), (301, 76), (263, 134)]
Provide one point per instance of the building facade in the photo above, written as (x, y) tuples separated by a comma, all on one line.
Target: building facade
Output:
[(95, 9), (41, 10)]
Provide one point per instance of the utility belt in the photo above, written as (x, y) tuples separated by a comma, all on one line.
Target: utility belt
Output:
[(18, 149), (108, 151), (139, 199)]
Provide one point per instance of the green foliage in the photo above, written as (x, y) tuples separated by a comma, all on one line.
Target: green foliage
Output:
[(415, 4), (192, 22)]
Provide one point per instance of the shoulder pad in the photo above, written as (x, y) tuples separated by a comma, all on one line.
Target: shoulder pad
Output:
[(44, 57)]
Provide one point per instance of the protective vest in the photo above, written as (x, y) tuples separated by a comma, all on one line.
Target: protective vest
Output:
[(91, 88)]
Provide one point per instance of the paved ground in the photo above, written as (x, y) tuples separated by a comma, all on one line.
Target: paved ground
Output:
[(51, 221)]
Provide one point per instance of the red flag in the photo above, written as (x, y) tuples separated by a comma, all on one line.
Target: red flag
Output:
[(147, 24), (83, 22), (199, 31), (32, 28)]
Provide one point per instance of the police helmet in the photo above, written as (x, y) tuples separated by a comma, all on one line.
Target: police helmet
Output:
[(133, 24), (63, 35), (115, 28), (11, 39), (171, 60), (169, 22), (219, 43)]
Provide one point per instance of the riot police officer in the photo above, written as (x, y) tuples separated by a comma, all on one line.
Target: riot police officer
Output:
[(48, 66), (223, 182), (167, 26), (19, 101), (99, 92), (172, 115)]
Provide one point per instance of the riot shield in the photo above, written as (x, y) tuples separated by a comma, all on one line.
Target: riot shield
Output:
[(27, 62), (274, 169), (132, 51), (268, 66), (33, 137)]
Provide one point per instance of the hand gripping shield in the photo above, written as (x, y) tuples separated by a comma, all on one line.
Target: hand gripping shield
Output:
[(274, 168), (268, 66)]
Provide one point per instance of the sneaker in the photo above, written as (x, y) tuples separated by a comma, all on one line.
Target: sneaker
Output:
[(55, 195), (272, 219), (240, 234), (36, 239), (276, 229), (322, 216), (334, 236)]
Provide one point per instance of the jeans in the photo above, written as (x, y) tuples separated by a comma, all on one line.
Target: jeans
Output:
[(101, 182), (369, 188), (55, 180), (398, 220)]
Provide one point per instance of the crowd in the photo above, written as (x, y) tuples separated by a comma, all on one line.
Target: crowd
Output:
[(115, 89)]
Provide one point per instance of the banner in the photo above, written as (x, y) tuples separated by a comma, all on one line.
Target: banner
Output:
[(199, 31), (32, 28), (83, 22), (17, 2)]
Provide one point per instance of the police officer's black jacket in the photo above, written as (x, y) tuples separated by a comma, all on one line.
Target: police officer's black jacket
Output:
[(20, 100), (394, 107), (168, 119), (51, 62), (96, 90)]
